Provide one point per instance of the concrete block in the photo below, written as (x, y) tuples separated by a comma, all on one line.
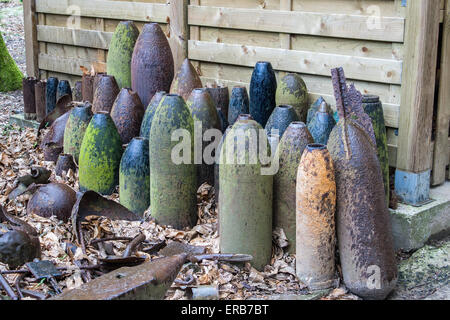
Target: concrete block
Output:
[(414, 226), (19, 120), (412, 188)]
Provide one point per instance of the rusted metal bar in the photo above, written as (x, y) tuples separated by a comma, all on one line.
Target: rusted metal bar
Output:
[(4, 283), (148, 281), (133, 245)]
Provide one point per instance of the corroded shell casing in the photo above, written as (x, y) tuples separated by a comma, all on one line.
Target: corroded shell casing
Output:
[(245, 206), (288, 155), (316, 206)]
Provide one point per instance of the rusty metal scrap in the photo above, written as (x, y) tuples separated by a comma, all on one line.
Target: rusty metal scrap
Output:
[(148, 281), (19, 245), (38, 175)]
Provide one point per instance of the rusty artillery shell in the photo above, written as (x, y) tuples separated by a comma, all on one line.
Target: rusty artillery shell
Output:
[(39, 92), (280, 119), (64, 163), (76, 126), (292, 91), (238, 103), (63, 89), (152, 65), (29, 102), (53, 141), (321, 124), (186, 80), (316, 206), (53, 199), (97, 78), (221, 98), (363, 225), (288, 155), (245, 215), (76, 92), (217, 165), (127, 113), (134, 176), (87, 88), (263, 88), (120, 52), (105, 94), (100, 154), (373, 107), (173, 187), (203, 111), (50, 96)]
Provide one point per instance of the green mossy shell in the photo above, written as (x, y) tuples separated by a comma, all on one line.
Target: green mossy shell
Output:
[(150, 113), (173, 188), (373, 107), (288, 155), (75, 128), (245, 215), (321, 126), (134, 176), (100, 155), (315, 107), (203, 109), (120, 53), (10, 75), (292, 91)]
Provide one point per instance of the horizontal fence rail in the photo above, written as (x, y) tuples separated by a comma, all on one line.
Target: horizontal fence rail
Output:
[(122, 10), (389, 29)]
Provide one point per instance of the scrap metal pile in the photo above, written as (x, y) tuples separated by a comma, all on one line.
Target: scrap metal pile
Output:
[(120, 217)]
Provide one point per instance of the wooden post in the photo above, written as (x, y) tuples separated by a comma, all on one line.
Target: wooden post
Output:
[(194, 34), (31, 43), (416, 111), (179, 33), (441, 146), (285, 38)]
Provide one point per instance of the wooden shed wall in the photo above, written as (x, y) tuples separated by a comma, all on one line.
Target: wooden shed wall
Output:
[(227, 38)]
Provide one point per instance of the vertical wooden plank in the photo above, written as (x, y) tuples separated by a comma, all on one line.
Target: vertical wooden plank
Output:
[(194, 34), (100, 26), (42, 20), (179, 33), (441, 149), (31, 43), (418, 85), (285, 38)]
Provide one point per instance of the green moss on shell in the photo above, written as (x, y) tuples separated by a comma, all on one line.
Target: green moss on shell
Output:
[(292, 91), (173, 188), (120, 53), (100, 155)]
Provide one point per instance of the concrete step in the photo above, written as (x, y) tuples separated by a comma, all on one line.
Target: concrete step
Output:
[(425, 275), (414, 226), (19, 120)]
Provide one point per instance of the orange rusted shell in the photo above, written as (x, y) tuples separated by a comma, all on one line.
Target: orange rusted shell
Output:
[(105, 93), (186, 80), (152, 65), (316, 206), (127, 114)]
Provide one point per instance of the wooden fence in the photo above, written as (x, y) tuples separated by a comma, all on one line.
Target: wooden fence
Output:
[(387, 47)]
